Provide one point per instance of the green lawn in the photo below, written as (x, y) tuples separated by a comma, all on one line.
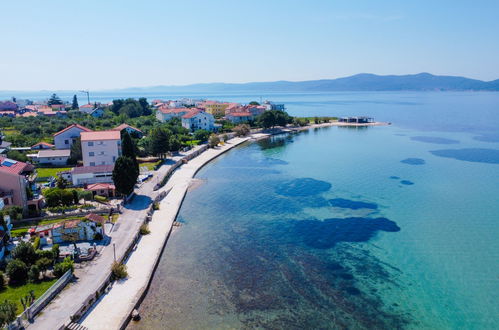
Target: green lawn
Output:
[(150, 165), (48, 172), (15, 294), (28, 224)]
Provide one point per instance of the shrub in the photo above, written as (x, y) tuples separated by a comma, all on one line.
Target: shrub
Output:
[(144, 229), (213, 141), (201, 135), (25, 252), (119, 271), (36, 243), (66, 197), (55, 251), (100, 199), (85, 194), (155, 206), (8, 311), (62, 267), (34, 273), (17, 272), (48, 254), (44, 263), (15, 212), (2, 281), (76, 198), (241, 130), (98, 236)]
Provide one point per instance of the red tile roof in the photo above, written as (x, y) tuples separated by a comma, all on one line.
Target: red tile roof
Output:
[(100, 135), (87, 106), (191, 113), (42, 143), (240, 114), (100, 186), (71, 224), (96, 218), (173, 110), (83, 128), (123, 126), (13, 166)]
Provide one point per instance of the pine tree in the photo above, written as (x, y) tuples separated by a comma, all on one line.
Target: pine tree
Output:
[(75, 106), (128, 149), (124, 175), (54, 99), (160, 141)]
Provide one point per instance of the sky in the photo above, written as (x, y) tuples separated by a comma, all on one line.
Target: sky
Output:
[(96, 44)]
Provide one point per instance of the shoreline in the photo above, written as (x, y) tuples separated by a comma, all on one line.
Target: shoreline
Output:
[(113, 310)]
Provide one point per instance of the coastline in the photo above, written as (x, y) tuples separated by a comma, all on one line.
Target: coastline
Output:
[(113, 310)]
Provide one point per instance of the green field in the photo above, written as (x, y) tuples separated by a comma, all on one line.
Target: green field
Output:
[(18, 226), (52, 171), (15, 294), (150, 165)]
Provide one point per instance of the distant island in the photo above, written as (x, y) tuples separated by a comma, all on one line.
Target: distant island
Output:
[(358, 82)]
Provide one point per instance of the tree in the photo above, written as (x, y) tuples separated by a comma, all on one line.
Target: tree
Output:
[(17, 155), (24, 252), (8, 311), (54, 99), (241, 130), (61, 183), (202, 135), (146, 110), (34, 273), (62, 267), (17, 272), (160, 141), (128, 150), (66, 197), (175, 144), (266, 119), (75, 105), (124, 175), (43, 264), (76, 153), (254, 103), (213, 141), (2, 281)]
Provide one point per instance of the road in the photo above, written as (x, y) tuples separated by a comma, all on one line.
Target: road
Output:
[(91, 276)]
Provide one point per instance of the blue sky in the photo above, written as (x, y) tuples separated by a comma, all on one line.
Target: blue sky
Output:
[(112, 44)]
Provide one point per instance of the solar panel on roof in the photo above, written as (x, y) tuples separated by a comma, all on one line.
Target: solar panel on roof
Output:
[(8, 162)]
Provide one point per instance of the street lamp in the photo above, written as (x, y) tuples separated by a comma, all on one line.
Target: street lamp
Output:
[(88, 95)]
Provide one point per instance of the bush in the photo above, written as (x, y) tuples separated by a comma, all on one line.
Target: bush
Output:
[(144, 229), (55, 251), (85, 194), (100, 199), (17, 272), (48, 254), (34, 273), (213, 141), (66, 197), (155, 206), (2, 281), (201, 135), (62, 267), (44, 263), (36, 243), (15, 212), (8, 312), (241, 130), (25, 252), (119, 271), (98, 236)]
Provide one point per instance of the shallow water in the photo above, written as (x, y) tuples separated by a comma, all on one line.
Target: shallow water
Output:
[(329, 229)]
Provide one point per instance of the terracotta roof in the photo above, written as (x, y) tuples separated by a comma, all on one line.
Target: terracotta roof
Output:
[(43, 144), (191, 113), (87, 106), (100, 186), (71, 224), (83, 128), (123, 126), (240, 114), (13, 166), (95, 218), (29, 114), (173, 110), (92, 169), (100, 135)]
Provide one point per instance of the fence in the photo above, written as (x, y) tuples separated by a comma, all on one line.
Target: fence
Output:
[(23, 319)]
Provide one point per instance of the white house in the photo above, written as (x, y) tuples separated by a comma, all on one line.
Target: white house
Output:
[(52, 157), (130, 129), (87, 108), (239, 117), (100, 147), (89, 174), (65, 138), (196, 119), (165, 114)]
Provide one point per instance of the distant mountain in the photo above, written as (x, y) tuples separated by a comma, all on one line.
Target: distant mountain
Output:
[(359, 82)]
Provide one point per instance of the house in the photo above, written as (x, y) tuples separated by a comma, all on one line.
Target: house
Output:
[(196, 119), (97, 113), (70, 230), (273, 106), (165, 114), (42, 145), (100, 147), (87, 108), (4, 147), (65, 138), (8, 106), (356, 120), (15, 183), (52, 157), (239, 117), (58, 107), (217, 109), (80, 176), (102, 189), (135, 132)]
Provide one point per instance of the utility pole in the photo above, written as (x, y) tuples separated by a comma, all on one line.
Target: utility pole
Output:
[(114, 251), (88, 95)]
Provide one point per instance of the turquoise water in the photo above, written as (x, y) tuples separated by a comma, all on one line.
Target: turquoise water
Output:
[(380, 227)]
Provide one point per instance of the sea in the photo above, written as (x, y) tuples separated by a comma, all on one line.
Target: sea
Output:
[(387, 227)]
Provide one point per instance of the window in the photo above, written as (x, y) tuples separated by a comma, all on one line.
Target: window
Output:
[(66, 141), (114, 158), (92, 163), (91, 154), (100, 143), (90, 144)]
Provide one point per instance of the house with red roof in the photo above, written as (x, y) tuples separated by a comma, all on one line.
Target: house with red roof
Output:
[(102, 189), (15, 181), (100, 147), (239, 117), (65, 138), (135, 132), (196, 119), (165, 113), (42, 145)]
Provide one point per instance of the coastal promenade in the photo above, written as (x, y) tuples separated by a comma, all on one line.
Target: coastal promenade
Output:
[(93, 274), (114, 308)]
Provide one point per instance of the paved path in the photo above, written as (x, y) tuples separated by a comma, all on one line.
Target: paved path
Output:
[(93, 274), (113, 308)]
